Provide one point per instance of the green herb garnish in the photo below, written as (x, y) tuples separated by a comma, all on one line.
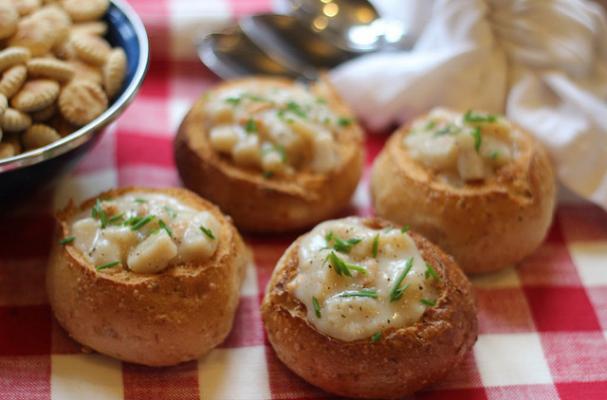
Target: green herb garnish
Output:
[(478, 139), (98, 212), (254, 97), (321, 100), (140, 200), (233, 100), (428, 302), (448, 129), (132, 220), (296, 109), (471, 116), (67, 240), (430, 125), (343, 246), (207, 232), (170, 211), (251, 126), (165, 227), (142, 222), (342, 267), (431, 273), (375, 245), (376, 337), (397, 292), (405, 228), (316, 307), (494, 155), (116, 219), (267, 174), (343, 121), (372, 293), (107, 265)]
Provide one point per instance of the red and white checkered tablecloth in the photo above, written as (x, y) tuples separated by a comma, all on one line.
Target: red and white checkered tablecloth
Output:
[(543, 325)]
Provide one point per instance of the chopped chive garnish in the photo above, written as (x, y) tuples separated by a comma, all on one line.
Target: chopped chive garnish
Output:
[(316, 306), (342, 267), (431, 273), (397, 292), (321, 100), (376, 337), (430, 125), (494, 155), (342, 121), (98, 212), (165, 227), (132, 220), (67, 240), (233, 100), (207, 232), (107, 265), (116, 219), (170, 211), (375, 245), (471, 116), (478, 139), (343, 246), (251, 126), (140, 200), (372, 293), (442, 131), (405, 229), (428, 302), (142, 222), (254, 97), (296, 109)]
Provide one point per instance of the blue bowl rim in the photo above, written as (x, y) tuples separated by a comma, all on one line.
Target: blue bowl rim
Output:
[(85, 133)]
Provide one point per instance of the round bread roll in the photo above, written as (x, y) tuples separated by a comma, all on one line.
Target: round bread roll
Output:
[(149, 276), (363, 309), (273, 154), (475, 184)]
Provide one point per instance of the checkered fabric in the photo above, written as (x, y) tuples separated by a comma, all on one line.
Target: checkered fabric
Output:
[(543, 324)]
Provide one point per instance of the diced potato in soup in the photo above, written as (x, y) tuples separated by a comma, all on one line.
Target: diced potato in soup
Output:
[(471, 146), (144, 233)]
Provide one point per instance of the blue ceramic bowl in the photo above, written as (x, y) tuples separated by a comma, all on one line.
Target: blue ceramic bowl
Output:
[(29, 171)]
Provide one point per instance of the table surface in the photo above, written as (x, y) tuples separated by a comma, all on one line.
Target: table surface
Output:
[(543, 324)]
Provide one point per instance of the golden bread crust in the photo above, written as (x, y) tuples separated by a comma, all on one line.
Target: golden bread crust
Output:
[(268, 205), (403, 361), (484, 226), (159, 319)]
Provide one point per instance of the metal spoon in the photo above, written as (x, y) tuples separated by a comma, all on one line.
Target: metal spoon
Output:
[(285, 39), (231, 54), (322, 34), (352, 25)]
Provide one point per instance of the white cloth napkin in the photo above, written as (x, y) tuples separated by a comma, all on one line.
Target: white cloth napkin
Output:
[(542, 63)]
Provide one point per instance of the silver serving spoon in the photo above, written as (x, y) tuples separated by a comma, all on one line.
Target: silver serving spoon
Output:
[(289, 41), (320, 34), (231, 54), (352, 25)]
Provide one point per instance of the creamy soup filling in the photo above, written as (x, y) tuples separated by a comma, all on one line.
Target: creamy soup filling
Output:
[(357, 281), (275, 129), (466, 147), (144, 233)]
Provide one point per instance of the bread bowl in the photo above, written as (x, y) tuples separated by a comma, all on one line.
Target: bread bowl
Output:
[(475, 184), (361, 308), (273, 154), (150, 276)]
